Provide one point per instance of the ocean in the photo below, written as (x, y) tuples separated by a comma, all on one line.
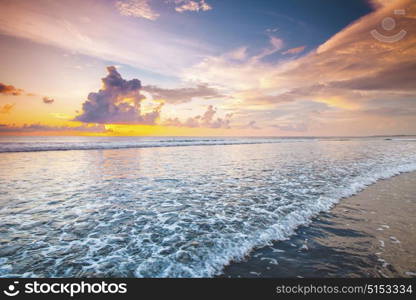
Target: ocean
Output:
[(171, 207)]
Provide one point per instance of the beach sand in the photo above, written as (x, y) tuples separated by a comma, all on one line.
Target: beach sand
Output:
[(371, 234)]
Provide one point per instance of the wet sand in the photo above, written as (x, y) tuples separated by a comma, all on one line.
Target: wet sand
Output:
[(371, 234)]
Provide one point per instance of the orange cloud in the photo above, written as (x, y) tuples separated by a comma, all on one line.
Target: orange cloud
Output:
[(48, 100), (118, 101), (5, 109), (10, 90), (295, 50)]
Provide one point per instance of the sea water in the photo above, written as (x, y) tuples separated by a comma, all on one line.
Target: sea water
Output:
[(171, 207)]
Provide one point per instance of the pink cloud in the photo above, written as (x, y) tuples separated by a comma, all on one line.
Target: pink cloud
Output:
[(294, 50)]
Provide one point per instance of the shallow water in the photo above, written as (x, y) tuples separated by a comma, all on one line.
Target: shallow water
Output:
[(370, 234), (172, 211)]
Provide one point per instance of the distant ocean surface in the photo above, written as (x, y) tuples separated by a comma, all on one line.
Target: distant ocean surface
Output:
[(151, 207), (30, 144)]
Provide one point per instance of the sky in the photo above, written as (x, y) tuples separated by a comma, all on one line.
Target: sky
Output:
[(208, 67)]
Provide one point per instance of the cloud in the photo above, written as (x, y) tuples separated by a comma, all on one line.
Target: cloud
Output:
[(7, 108), (107, 36), (48, 100), (298, 127), (401, 77), (275, 45), (235, 70), (190, 5), (354, 64), (379, 3), (354, 53), (136, 8), (13, 91), (262, 98), (350, 74), (390, 111), (387, 108), (37, 127), (10, 90), (182, 95), (272, 30), (238, 54), (207, 120), (296, 50), (143, 9), (117, 102), (252, 125)]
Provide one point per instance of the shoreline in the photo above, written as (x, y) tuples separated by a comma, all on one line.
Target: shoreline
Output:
[(369, 234)]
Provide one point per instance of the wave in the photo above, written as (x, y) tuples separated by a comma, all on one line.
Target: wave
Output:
[(39, 147), (402, 139), (286, 228)]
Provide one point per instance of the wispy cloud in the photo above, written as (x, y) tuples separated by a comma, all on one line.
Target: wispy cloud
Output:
[(7, 108), (207, 120), (349, 79), (296, 50), (136, 8), (182, 95), (48, 100), (120, 101), (251, 125), (275, 45), (191, 5), (235, 70), (379, 3)]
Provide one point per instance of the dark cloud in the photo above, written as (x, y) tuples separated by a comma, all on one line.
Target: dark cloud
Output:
[(288, 96), (7, 108), (118, 102), (48, 100), (40, 127), (182, 95), (10, 90), (207, 120)]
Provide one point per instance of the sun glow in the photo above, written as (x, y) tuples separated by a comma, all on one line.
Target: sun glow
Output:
[(338, 102)]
